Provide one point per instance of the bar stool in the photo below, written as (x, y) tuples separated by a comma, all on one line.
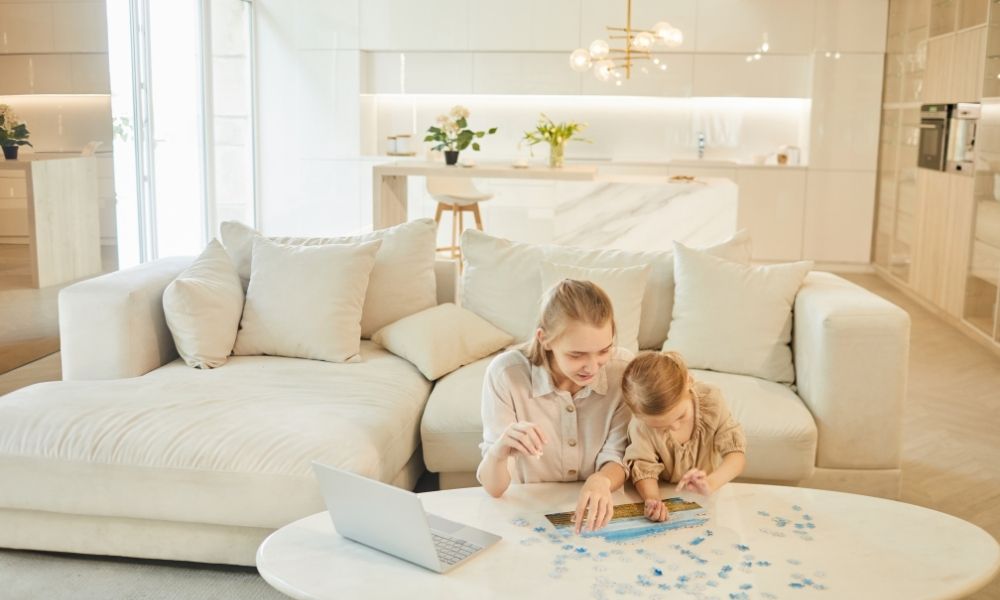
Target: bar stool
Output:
[(458, 195)]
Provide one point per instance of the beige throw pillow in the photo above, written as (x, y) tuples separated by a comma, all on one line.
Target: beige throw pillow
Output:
[(203, 307), (625, 286), (402, 281), (441, 339), (734, 318), (305, 301)]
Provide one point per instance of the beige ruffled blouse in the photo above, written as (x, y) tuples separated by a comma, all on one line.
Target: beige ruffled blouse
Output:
[(651, 454)]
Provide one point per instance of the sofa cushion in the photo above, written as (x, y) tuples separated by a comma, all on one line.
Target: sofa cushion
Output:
[(502, 283), (402, 281), (441, 339), (781, 434), (229, 446), (305, 301), (624, 286), (203, 308)]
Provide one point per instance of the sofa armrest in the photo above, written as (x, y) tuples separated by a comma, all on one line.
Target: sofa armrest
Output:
[(446, 274), (113, 327), (851, 354)]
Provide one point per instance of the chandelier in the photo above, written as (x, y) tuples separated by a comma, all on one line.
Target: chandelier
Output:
[(615, 63)]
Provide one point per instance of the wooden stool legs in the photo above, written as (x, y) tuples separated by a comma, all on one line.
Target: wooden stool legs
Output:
[(457, 224)]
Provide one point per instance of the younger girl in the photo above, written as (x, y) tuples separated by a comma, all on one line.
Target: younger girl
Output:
[(681, 431), (552, 411)]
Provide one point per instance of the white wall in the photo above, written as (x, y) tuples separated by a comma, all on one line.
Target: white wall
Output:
[(54, 73)]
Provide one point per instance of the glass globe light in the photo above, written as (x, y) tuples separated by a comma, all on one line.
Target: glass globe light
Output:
[(579, 60), (599, 49), (603, 70), (662, 30), (643, 40), (674, 38)]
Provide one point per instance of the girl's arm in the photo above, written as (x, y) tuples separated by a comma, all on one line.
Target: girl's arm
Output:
[(731, 467), (649, 489)]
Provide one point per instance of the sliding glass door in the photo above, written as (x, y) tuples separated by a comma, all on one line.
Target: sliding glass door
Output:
[(182, 102)]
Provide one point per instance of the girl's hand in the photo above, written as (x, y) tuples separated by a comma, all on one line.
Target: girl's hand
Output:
[(526, 438), (595, 501), (656, 510), (696, 480)]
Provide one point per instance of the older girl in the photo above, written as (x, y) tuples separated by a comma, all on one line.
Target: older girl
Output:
[(552, 410)]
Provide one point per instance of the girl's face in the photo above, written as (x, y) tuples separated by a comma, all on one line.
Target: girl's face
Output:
[(675, 418), (579, 353)]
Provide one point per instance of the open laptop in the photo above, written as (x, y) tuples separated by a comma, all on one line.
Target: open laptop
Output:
[(393, 520)]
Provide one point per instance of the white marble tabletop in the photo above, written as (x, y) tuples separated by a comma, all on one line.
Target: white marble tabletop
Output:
[(759, 541)]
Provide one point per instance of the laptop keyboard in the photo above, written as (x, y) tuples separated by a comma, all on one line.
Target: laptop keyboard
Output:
[(453, 550)]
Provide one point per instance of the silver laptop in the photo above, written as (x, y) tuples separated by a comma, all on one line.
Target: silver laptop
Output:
[(393, 520)]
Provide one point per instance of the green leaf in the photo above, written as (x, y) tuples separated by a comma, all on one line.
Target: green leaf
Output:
[(475, 147), (492, 130)]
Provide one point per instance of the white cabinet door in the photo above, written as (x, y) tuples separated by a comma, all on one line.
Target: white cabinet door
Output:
[(846, 98), (772, 207), (525, 25), (741, 25), (523, 73), (26, 27), (411, 25), (852, 25), (773, 76), (840, 206), (416, 73)]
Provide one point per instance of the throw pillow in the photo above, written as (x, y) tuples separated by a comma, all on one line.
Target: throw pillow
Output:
[(501, 279), (402, 281), (625, 286), (306, 301), (203, 307), (734, 318), (441, 339)]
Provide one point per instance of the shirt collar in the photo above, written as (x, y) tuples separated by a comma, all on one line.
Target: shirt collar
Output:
[(542, 384)]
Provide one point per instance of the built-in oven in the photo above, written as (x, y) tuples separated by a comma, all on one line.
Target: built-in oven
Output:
[(933, 135)]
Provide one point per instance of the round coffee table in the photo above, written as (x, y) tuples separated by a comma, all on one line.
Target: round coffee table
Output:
[(759, 541)]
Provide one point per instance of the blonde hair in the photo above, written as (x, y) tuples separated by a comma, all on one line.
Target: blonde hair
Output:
[(569, 301), (654, 382)]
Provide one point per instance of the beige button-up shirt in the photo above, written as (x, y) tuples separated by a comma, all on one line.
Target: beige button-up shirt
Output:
[(584, 430)]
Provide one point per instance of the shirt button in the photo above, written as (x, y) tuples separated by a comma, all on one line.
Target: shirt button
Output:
[(572, 472), (572, 443), (570, 408)]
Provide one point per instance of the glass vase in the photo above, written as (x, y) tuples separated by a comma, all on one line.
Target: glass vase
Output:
[(557, 154)]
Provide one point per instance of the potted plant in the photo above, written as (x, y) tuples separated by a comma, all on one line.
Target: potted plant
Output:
[(13, 132), (452, 134), (556, 135)]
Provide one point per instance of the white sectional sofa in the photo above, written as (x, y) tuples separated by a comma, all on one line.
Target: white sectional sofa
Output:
[(136, 454)]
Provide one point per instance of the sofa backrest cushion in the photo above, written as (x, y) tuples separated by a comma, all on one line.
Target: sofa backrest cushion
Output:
[(401, 284), (735, 318), (502, 281)]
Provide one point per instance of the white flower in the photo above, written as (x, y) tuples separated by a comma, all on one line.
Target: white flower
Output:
[(450, 127), (459, 112), (442, 119)]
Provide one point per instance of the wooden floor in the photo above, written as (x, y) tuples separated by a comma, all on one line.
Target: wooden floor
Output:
[(29, 323), (951, 438)]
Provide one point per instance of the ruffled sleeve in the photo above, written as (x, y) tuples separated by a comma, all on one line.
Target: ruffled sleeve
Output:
[(641, 459), (722, 430)]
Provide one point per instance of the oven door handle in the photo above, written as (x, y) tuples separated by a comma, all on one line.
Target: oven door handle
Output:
[(929, 126)]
